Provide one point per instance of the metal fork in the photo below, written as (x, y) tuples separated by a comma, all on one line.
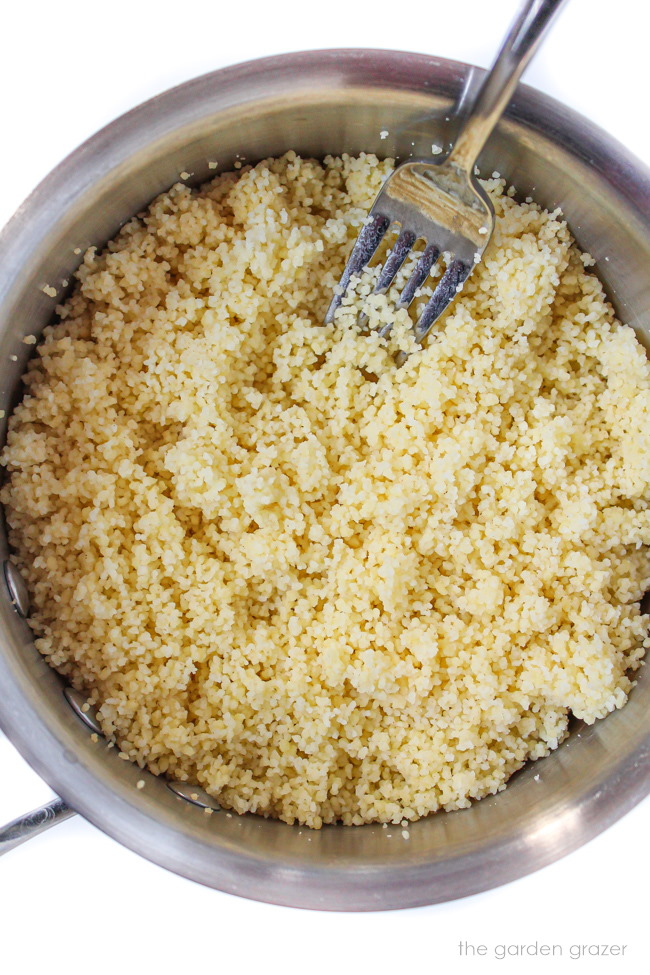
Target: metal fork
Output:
[(441, 201)]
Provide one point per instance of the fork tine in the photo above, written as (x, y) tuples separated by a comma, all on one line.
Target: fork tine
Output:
[(400, 251), (419, 275), (398, 254), (450, 284), (369, 239), (422, 270)]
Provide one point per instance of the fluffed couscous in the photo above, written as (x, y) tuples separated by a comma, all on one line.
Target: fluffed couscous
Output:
[(322, 587)]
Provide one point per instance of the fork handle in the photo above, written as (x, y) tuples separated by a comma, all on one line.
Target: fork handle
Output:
[(519, 46)]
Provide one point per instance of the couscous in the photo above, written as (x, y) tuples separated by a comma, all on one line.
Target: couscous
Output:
[(322, 587)]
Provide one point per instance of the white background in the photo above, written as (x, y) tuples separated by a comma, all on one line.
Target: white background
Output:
[(75, 900)]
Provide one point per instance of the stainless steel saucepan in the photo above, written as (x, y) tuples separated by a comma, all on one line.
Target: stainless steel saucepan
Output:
[(318, 103)]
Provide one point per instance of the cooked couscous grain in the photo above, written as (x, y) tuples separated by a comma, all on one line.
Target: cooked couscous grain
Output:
[(319, 586)]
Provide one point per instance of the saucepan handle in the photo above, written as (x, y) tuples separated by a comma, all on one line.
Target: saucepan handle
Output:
[(32, 823)]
